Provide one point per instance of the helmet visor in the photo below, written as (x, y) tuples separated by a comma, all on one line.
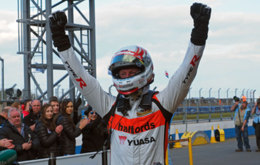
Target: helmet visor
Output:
[(122, 61), (126, 59)]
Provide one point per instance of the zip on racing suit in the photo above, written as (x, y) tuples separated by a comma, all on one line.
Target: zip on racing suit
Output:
[(140, 135)]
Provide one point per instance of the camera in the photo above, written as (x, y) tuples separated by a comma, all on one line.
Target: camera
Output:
[(236, 99)]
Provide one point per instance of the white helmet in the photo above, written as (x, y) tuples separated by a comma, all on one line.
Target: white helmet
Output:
[(127, 57)]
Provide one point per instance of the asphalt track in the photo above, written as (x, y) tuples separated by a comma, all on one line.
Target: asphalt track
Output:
[(222, 153)]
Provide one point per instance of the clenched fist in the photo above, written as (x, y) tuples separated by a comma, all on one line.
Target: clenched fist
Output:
[(200, 14), (58, 20)]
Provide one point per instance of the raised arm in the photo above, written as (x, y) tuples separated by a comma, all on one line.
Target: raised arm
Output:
[(180, 82), (88, 85)]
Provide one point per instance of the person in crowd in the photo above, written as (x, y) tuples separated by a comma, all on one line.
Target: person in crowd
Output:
[(26, 107), (256, 122), (70, 131), (54, 102), (25, 142), (4, 116), (47, 132), (34, 114), (138, 114), (18, 106), (241, 117), (94, 135)]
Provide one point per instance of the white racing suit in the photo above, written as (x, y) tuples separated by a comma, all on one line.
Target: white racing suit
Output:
[(141, 137)]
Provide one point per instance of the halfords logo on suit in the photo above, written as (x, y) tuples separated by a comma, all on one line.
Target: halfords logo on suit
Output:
[(136, 142), (133, 130)]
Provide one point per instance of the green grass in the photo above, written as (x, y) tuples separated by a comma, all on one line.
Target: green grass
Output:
[(203, 116)]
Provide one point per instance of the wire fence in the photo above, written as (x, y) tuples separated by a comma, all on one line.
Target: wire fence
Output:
[(210, 108)]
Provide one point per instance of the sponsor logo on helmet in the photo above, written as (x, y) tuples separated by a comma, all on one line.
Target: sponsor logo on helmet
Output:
[(138, 142), (133, 130)]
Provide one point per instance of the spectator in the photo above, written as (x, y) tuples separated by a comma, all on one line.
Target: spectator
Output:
[(54, 102), (70, 131), (17, 105), (242, 114), (34, 114), (25, 141), (4, 116), (47, 132), (26, 107), (256, 123), (95, 133)]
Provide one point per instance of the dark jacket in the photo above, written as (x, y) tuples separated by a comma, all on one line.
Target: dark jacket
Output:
[(2, 121), (31, 119), (48, 140), (69, 133), (94, 136), (10, 132)]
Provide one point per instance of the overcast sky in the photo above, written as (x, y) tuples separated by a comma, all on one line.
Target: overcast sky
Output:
[(231, 58)]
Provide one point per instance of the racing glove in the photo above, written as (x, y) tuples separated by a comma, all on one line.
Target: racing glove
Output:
[(200, 14), (58, 21)]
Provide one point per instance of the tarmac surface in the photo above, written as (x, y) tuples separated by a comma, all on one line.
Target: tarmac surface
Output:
[(222, 153)]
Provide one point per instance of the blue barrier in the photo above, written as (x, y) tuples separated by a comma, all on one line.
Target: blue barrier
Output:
[(229, 133), (205, 109)]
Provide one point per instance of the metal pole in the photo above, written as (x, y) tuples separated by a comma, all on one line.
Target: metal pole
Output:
[(254, 95), (2, 94), (200, 92), (243, 91), (57, 91), (219, 100), (104, 155), (92, 35), (219, 93), (227, 92), (210, 92), (227, 100), (247, 93), (27, 49), (198, 105), (236, 91), (52, 159), (190, 151), (49, 57), (251, 96), (210, 104)]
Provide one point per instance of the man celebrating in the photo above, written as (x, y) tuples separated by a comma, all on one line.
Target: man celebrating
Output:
[(138, 119)]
